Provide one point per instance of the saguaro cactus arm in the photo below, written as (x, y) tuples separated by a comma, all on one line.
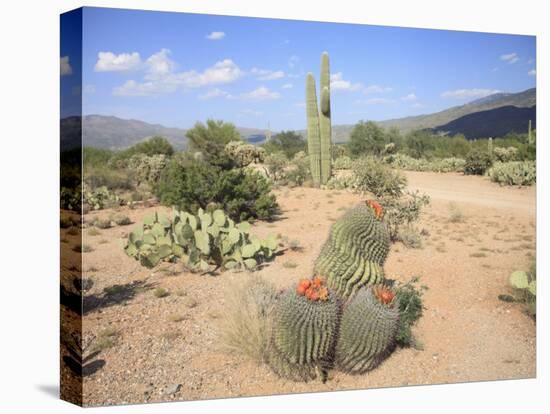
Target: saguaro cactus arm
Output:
[(313, 137)]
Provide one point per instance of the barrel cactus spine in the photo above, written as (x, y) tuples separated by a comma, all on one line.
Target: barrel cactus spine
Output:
[(305, 327), (368, 329), (355, 251)]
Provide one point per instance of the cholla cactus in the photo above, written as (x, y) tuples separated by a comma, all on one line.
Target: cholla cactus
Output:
[(305, 328), (244, 154), (367, 330), (356, 249), (147, 168)]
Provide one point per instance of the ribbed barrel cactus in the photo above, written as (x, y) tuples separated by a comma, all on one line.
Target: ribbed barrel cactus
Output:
[(305, 326), (319, 127), (367, 330), (356, 249)]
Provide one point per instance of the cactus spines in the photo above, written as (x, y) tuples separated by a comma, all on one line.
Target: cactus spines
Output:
[(319, 128), (305, 325), (356, 249), (367, 331), (325, 127), (313, 134)]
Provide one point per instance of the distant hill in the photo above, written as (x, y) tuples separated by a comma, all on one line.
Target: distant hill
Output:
[(491, 123), (111, 132), (525, 99)]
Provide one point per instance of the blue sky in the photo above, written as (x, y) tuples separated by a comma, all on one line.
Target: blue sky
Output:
[(176, 69)]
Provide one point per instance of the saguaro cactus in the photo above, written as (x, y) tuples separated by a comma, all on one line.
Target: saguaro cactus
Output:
[(313, 134), (529, 134), (319, 128), (490, 146)]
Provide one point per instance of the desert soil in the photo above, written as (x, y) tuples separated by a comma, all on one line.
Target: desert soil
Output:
[(169, 348)]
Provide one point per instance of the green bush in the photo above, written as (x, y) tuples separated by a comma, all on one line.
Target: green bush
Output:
[(477, 162), (401, 212), (189, 185), (210, 140), (342, 163), (373, 176), (288, 142), (513, 173), (410, 310), (100, 198)]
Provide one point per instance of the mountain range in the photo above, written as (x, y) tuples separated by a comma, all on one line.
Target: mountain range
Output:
[(494, 115)]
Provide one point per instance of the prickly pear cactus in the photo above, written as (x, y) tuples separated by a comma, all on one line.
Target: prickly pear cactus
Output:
[(356, 249), (367, 330), (305, 326)]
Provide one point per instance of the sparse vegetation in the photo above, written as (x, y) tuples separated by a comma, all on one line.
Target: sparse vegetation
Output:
[(160, 292)]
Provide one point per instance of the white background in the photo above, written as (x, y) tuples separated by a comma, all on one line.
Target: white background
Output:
[(29, 223)]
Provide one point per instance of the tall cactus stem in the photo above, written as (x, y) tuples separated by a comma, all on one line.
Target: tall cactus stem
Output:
[(313, 135)]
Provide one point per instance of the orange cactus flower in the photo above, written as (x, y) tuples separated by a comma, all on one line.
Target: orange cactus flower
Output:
[(378, 209)]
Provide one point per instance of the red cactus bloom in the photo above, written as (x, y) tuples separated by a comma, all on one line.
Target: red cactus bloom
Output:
[(378, 209)]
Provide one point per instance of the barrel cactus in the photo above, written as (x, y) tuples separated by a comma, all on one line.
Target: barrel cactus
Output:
[(367, 330), (356, 249), (305, 325)]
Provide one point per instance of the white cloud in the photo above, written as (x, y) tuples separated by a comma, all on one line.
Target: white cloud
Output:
[(510, 57), (266, 74), (379, 101), (411, 97), (287, 86), (376, 89), (250, 112), (259, 94), (89, 89), (213, 93), (418, 105), (532, 72), (65, 66), (293, 61), (469, 93), (338, 83), (161, 77), (109, 62), (215, 36)]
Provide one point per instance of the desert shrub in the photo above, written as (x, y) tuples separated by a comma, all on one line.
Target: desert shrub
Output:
[(366, 138), (96, 176), (122, 220), (210, 140), (505, 154), (410, 310), (245, 326), (147, 168), (410, 237), (513, 173), (244, 154), (455, 214), (405, 162), (338, 150), (390, 148), (190, 185), (373, 176), (71, 198), (401, 212), (100, 198), (276, 164), (341, 182), (477, 162), (101, 223), (298, 172), (342, 163), (287, 142)]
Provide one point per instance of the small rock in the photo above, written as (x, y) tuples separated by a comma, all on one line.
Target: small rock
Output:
[(172, 389)]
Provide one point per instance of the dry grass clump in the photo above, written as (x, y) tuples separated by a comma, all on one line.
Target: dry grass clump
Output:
[(455, 214), (245, 324)]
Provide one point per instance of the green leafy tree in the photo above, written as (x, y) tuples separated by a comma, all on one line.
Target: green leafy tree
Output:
[(211, 139), (288, 142), (366, 138), (419, 144), (153, 146)]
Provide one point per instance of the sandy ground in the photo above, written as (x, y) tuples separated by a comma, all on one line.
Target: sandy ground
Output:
[(169, 349)]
